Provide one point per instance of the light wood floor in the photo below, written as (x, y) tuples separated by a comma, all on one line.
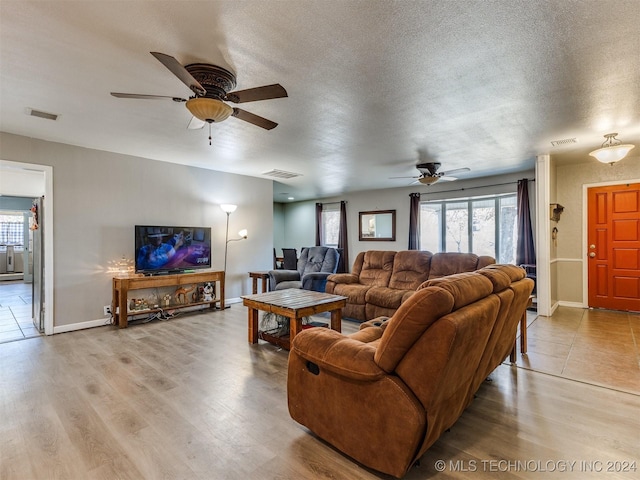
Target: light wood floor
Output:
[(189, 398)]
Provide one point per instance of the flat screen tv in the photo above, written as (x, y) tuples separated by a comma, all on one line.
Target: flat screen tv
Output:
[(169, 249)]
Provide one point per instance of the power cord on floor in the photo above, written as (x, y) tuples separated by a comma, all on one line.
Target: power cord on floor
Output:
[(160, 314)]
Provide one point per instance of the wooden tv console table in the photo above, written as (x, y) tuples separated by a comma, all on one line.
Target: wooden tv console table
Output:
[(122, 286)]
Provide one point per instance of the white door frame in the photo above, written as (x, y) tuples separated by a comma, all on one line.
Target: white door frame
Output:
[(543, 235), (48, 236)]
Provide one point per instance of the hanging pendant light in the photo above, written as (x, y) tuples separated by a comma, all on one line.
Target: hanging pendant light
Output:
[(612, 150)]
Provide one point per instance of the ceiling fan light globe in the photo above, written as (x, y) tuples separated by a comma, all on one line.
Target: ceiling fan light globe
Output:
[(209, 109), (428, 180)]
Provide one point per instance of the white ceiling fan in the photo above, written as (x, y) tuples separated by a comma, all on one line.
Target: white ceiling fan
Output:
[(429, 173)]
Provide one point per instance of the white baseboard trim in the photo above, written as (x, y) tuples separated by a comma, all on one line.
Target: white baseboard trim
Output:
[(232, 300), (571, 304), (101, 322)]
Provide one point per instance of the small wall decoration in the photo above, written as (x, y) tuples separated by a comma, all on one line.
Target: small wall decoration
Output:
[(556, 210), (34, 210)]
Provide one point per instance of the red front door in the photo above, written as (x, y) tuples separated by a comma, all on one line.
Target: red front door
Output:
[(614, 247)]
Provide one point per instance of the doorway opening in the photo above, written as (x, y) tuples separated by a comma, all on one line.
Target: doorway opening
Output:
[(26, 300)]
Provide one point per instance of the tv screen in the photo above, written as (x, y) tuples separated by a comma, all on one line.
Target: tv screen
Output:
[(164, 249)]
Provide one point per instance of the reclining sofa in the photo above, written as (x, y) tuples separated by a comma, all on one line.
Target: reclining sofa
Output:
[(380, 280), (386, 393)]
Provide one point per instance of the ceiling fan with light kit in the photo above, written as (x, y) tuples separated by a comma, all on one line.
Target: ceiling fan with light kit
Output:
[(212, 86), (429, 173)]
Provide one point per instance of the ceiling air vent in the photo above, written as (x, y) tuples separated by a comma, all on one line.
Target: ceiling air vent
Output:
[(566, 141), (281, 174), (39, 114)]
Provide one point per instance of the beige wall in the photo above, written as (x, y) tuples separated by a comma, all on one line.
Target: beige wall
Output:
[(569, 193), (100, 196)]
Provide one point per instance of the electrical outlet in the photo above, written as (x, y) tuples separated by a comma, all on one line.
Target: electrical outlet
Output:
[(107, 310)]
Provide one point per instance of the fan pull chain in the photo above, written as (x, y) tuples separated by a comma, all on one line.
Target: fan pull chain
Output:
[(209, 134)]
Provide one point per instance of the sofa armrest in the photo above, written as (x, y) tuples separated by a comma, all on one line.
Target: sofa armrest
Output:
[(332, 351), (344, 278), (277, 276)]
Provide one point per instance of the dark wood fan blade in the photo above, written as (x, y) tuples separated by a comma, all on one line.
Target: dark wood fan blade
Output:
[(255, 119), (179, 71), (147, 97), (259, 93)]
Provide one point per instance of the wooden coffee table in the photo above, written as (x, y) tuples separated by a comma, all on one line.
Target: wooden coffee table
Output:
[(293, 303)]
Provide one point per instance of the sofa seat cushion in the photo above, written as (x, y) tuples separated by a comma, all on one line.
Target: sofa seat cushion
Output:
[(386, 297), (355, 292), (289, 284)]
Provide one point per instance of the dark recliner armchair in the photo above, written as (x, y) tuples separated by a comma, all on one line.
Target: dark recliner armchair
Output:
[(314, 266)]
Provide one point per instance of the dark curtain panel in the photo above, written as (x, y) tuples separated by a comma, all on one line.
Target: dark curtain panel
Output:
[(343, 265), (525, 249), (318, 224), (414, 215)]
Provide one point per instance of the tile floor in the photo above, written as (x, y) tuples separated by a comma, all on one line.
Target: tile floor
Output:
[(600, 347), (15, 311)]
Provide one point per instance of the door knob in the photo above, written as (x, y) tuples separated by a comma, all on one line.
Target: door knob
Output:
[(592, 254), (592, 246)]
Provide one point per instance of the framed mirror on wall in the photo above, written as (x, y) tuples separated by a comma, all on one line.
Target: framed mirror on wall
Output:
[(377, 226)]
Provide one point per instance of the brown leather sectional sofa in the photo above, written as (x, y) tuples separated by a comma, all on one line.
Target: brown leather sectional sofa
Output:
[(380, 281), (386, 393)]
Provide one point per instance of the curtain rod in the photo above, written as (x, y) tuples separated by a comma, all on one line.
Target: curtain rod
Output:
[(479, 186)]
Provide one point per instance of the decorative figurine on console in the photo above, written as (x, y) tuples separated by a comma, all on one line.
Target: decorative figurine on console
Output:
[(180, 294), (208, 292), (166, 300)]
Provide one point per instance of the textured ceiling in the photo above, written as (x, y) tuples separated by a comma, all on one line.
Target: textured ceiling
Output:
[(374, 86)]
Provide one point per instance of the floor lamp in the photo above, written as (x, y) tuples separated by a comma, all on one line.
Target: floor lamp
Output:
[(229, 209)]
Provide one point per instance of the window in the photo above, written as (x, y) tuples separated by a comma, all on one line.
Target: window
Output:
[(456, 227), (330, 225), (430, 226), (484, 226), (11, 229)]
